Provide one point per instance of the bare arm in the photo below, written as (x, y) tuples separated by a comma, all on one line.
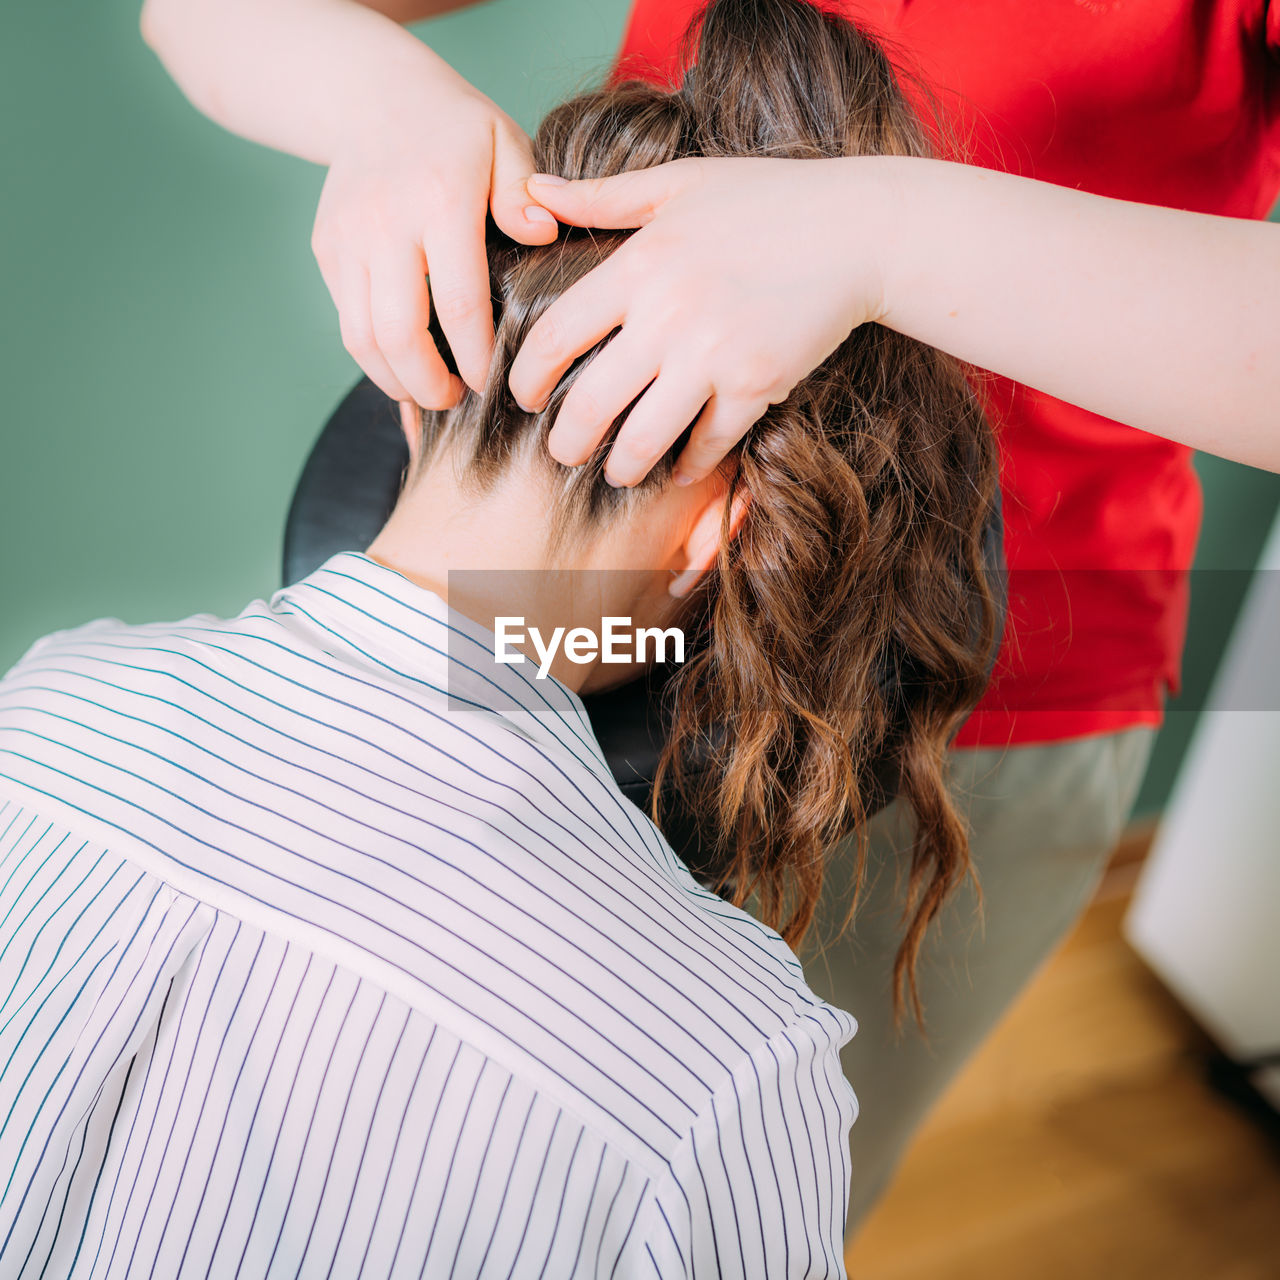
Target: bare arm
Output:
[(1165, 320), (746, 273), (416, 157), (304, 76)]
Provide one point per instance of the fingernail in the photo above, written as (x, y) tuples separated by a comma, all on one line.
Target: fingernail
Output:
[(536, 213), (612, 483), (549, 179), (681, 479)]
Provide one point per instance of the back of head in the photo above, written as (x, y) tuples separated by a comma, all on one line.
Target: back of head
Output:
[(850, 617)]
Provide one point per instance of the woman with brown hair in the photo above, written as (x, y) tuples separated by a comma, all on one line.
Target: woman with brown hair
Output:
[(342, 896), (747, 273)]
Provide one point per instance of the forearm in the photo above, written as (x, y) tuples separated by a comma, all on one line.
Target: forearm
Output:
[(1165, 320), (304, 76)]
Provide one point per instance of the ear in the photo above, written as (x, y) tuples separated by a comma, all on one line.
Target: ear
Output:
[(705, 539), (411, 425)]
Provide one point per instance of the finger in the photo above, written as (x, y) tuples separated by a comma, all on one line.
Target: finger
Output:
[(356, 324), (586, 312), (720, 426), (654, 425), (516, 211), (458, 263), (400, 309), (599, 394), (624, 200)]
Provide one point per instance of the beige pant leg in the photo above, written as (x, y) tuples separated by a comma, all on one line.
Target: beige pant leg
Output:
[(1044, 821)]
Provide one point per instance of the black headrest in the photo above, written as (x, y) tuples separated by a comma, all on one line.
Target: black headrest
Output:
[(347, 489)]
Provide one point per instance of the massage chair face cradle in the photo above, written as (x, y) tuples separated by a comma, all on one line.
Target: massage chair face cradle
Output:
[(348, 487)]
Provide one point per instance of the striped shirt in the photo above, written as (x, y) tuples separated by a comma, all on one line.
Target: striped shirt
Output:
[(330, 948)]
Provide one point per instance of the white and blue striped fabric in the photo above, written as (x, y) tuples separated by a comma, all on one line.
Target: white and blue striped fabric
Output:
[(329, 948)]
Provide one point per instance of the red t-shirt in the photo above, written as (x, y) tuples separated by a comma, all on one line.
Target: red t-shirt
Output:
[(1171, 102)]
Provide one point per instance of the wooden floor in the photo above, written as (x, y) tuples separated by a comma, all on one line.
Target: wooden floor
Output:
[(1082, 1142)]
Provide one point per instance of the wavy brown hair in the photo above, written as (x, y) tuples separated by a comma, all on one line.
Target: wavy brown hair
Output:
[(850, 621)]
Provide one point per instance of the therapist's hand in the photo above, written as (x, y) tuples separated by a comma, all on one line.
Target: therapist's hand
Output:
[(744, 276), (406, 195)]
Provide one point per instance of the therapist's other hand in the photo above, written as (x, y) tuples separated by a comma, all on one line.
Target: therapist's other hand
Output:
[(744, 276), (408, 198)]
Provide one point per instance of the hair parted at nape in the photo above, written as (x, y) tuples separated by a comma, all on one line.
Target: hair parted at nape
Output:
[(851, 616)]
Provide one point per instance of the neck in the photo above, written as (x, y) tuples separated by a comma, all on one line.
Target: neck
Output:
[(489, 556)]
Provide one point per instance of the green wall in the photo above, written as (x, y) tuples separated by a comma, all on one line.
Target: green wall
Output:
[(167, 346), (169, 351)]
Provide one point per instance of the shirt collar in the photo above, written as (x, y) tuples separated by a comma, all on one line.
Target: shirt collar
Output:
[(405, 632)]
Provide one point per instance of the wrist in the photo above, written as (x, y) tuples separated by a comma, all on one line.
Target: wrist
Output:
[(878, 195), (397, 82)]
